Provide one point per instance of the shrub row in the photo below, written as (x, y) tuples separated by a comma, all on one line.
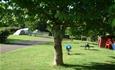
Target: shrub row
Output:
[(5, 32)]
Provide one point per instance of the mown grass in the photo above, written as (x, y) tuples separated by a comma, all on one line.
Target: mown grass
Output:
[(15, 38), (40, 57)]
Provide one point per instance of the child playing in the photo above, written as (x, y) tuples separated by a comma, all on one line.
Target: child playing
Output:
[(68, 48)]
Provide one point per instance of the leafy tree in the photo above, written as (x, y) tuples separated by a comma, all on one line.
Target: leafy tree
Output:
[(60, 14), (11, 15)]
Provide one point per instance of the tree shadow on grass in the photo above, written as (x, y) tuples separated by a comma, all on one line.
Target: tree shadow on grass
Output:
[(93, 43), (92, 66), (103, 66), (27, 42), (93, 49), (77, 54), (113, 57), (69, 65)]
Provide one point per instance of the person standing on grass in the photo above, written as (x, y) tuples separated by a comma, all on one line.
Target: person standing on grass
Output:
[(87, 46), (108, 43), (100, 41), (113, 45), (68, 48)]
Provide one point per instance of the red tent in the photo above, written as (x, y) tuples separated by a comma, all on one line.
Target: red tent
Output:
[(106, 41)]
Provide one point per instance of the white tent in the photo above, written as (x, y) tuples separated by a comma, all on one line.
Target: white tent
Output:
[(24, 31)]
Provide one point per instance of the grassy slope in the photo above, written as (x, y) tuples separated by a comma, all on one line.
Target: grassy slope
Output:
[(22, 37), (40, 57)]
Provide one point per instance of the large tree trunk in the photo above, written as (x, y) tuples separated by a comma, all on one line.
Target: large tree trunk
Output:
[(58, 54)]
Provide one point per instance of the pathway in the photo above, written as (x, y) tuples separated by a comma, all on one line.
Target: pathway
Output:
[(22, 44)]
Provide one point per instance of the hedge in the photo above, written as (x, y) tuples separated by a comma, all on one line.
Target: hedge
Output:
[(5, 32)]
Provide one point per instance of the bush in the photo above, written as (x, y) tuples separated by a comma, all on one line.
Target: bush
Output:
[(5, 32)]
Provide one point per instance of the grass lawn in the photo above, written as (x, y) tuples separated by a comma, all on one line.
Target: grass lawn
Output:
[(15, 38), (40, 57)]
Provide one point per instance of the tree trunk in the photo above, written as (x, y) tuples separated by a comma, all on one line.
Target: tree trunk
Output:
[(58, 54)]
